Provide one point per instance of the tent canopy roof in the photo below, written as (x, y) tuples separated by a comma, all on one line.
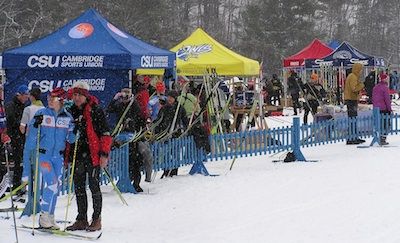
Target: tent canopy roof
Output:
[(87, 36), (316, 49), (347, 55), (199, 52)]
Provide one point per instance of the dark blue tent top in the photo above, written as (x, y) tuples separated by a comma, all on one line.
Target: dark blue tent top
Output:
[(347, 55), (88, 42)]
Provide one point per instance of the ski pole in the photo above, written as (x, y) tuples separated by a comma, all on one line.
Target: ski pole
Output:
[(71, 178), (115, 187), (12, 202), (36, 178)]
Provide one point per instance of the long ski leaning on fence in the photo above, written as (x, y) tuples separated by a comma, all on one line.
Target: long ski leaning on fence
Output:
[(177, 109), (115, 187), (251, 117), (197, 119), (121, 119)]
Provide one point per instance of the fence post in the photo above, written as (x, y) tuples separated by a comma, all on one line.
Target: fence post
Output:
[(376, 130), (198, 166), (124, 183), (296, 140)]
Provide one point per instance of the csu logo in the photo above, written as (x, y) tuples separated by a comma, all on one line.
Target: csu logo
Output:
[(63, 122), (43, 61), (146, 61), (45, 85)]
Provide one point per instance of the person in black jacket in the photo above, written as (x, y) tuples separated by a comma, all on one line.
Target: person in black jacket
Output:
[(167, 114), (294, 90), (94, 145), (313, 94), (369, 83), (131, 123), (14, 110)]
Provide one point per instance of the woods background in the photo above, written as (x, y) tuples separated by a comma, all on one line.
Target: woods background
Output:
[(265, 30)]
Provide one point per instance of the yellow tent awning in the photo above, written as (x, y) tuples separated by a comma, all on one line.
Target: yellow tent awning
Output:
[(200, 52)]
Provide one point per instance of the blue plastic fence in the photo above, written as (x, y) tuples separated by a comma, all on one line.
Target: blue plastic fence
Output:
[(182, 151)]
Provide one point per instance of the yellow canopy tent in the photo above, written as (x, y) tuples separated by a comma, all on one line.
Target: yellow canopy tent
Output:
[(200, 52)]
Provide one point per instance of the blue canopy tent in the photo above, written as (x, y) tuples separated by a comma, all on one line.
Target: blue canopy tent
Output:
[(346, 55), (334, 44), (89, 49)]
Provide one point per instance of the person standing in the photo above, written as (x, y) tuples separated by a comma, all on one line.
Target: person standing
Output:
[(14, 110), (352, 88), (275, 93), (168, 123), (369, 85), (154, 102), (131, 123), (94, 144), (56, 128), (29, 111), (294, 90), (313, 92), (381, 100)]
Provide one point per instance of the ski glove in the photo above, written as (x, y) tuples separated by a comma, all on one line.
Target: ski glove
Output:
[(38, 120), (5, 138)]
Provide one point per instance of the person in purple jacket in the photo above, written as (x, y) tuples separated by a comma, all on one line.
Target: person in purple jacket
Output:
[(381, 100)]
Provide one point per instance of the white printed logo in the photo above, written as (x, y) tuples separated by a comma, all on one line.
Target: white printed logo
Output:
[(187, 52), (43, 61)]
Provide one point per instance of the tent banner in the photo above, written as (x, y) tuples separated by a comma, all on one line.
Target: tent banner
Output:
[(103, 83), (72, 62)]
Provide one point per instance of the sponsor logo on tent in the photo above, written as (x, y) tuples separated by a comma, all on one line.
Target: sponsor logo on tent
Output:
[(95, 84), (81, 30), (193, 51), (116, 30), (321, 62), (363, 62), (65, 61), (342, 55), (154, 61)]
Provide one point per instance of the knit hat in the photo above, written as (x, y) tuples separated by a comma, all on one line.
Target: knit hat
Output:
[(22, 90), (383, 77), (81, 88), (160, 87), (58, 92), (36, 93)]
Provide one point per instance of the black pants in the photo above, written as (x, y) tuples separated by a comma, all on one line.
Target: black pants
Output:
[(135, 164), (312, 106), (296, 103), (83, 168), (352, 107), (385, 122)]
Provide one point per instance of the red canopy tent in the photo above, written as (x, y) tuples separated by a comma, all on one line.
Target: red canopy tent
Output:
[(316, 49)]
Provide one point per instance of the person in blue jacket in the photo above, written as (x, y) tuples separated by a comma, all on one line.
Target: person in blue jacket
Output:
[(56, 128)]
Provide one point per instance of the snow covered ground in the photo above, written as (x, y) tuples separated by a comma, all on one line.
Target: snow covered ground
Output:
[(350, 195)]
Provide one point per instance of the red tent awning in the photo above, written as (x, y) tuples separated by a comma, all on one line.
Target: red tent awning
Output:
[(316, 49)]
